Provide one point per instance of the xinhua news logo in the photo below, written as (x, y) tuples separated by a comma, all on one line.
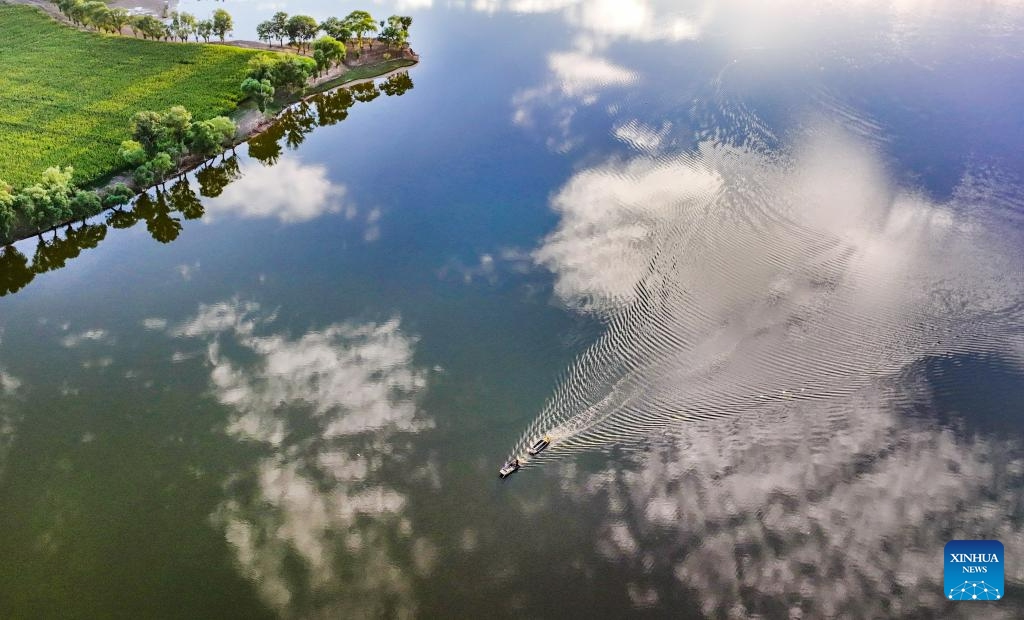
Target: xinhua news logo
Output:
[(974, 570)]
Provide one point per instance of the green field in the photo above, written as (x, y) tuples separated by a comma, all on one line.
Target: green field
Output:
[(67, 96)]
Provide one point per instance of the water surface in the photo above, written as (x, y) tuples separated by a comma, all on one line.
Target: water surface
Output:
[(758, 271)]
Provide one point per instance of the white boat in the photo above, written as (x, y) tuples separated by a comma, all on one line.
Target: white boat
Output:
[(509, 468)]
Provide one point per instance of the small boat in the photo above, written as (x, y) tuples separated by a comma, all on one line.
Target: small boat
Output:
[(539, 446), (509, 468)]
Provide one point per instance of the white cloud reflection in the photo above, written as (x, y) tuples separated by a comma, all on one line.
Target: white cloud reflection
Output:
[(814, 510), (290, 191), (331, 407)]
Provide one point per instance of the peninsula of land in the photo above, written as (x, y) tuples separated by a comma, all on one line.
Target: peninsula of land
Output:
[(106, 104)]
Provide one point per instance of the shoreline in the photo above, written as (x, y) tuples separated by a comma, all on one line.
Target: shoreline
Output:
[(263, 122), (369, 65)]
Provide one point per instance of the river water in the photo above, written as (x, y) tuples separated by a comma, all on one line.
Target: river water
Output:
[(758, 271)]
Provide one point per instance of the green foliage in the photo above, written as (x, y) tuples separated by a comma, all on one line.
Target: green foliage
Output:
[(148, 26), (332, 52), (144, 175), (222, 23), (46, 202), (265, 32), (183, 25), (336, 29), (292, 72), (287, 71), (162, 165), (85, 203), (7, 213), (132, 153), (69, 96), (301, 29), (360, 22), (204, 29), (261, 67), (119, 194), (396, 33), (260, 91), (279, 26), (208, 137)]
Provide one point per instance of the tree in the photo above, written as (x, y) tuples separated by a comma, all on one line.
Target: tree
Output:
[(119, 18), (335, 28), (204, 29), (321, 62), (293, 72), (48, 201), (279, 24), (177, 120), (261, 67), (396, 33), (265, 32), (119, 194), (301, 29), (148, 26), (203, 139), (148, 130), (144, 176), (222, 23), (224, 128), (162, 165), (261, 91), (360, 22), (132, 153), (7, 213), (332, 51), (183, 25), (210, 136), (85, 203), (96, 14)]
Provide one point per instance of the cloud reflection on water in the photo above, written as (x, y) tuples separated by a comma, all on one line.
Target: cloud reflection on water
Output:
[(313, 524), (289, 191), (839, 510), (729, 277)]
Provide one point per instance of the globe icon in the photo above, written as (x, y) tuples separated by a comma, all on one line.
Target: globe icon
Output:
[(974, 591)]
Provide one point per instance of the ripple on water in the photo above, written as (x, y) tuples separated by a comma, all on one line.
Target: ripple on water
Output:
[(733, 281)]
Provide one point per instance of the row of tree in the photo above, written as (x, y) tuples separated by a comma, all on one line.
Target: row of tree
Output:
[(53, 200), (159, 211), (99, 16), (161, 139), (162, 211), (299, 30), (266, 73)]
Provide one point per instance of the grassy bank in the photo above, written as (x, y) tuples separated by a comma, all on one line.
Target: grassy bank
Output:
[(68, 96), (362, 72)]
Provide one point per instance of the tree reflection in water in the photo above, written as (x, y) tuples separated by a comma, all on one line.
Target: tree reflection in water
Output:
[(161, 207), (15, 272), (213, 179)]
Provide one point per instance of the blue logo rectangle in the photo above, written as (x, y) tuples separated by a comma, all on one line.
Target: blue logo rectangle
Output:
[(974, 570)]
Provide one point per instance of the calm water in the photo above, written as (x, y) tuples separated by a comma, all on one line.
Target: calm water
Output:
[(759, 273)]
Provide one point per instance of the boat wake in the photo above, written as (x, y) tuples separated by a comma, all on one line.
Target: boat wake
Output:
[(732, 281)]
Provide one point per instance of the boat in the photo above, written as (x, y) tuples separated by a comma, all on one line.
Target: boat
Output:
[(539, 446), (509, 468)]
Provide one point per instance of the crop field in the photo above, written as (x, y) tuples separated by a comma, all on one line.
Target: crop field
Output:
[(67, 96)]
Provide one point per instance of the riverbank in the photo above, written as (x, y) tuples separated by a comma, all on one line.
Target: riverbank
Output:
[(114, 77)]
